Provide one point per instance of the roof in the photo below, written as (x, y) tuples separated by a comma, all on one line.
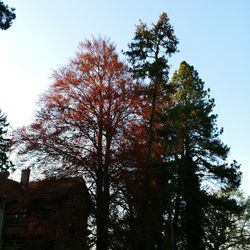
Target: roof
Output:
[(52, 188), (54, 185)]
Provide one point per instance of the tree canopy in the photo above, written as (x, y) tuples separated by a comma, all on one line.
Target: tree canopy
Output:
[(7, 15)]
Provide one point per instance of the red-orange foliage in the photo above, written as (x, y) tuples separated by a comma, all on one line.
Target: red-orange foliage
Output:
[(82, 120), (90, 104)]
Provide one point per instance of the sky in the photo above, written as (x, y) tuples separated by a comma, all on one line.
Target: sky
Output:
[(213, 36)]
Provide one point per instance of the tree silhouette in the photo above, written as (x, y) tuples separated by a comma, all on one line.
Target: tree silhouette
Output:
[(194, 147), (7, 15), (80, 125), (227, 223), (148, 55), (5, 163)]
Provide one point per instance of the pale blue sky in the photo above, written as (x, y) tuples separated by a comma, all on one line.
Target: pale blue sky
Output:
[(214, 37)]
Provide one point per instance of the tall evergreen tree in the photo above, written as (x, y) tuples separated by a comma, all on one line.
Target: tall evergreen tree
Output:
[(192, 138), (148, 55), (5, 163)]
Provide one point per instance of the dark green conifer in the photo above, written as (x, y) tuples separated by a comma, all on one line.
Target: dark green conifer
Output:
[(5, 163), (193, 144), (148, 55)]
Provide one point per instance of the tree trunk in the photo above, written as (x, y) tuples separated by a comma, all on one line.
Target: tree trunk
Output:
[(102, 214), (103, 196), (150, 213), (193, 211)]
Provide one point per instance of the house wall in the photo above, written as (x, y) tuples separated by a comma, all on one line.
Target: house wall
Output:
[(2, 212), (50, 217)]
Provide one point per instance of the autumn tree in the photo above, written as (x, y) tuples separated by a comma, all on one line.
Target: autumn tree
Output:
[(148, 56), (7, 15), (195, 149), (80, 124), (5, 163)]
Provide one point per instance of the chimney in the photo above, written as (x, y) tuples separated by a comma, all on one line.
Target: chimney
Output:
[(25, 176)]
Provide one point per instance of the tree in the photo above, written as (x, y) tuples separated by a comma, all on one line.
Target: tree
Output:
[(5, 163), (148, 55), (227, 224), (80, 125), (7, 15), (194, 147)]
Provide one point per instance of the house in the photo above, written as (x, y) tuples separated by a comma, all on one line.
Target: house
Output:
[(48, 214)]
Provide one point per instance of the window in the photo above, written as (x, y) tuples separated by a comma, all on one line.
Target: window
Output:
[(15, 219)]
